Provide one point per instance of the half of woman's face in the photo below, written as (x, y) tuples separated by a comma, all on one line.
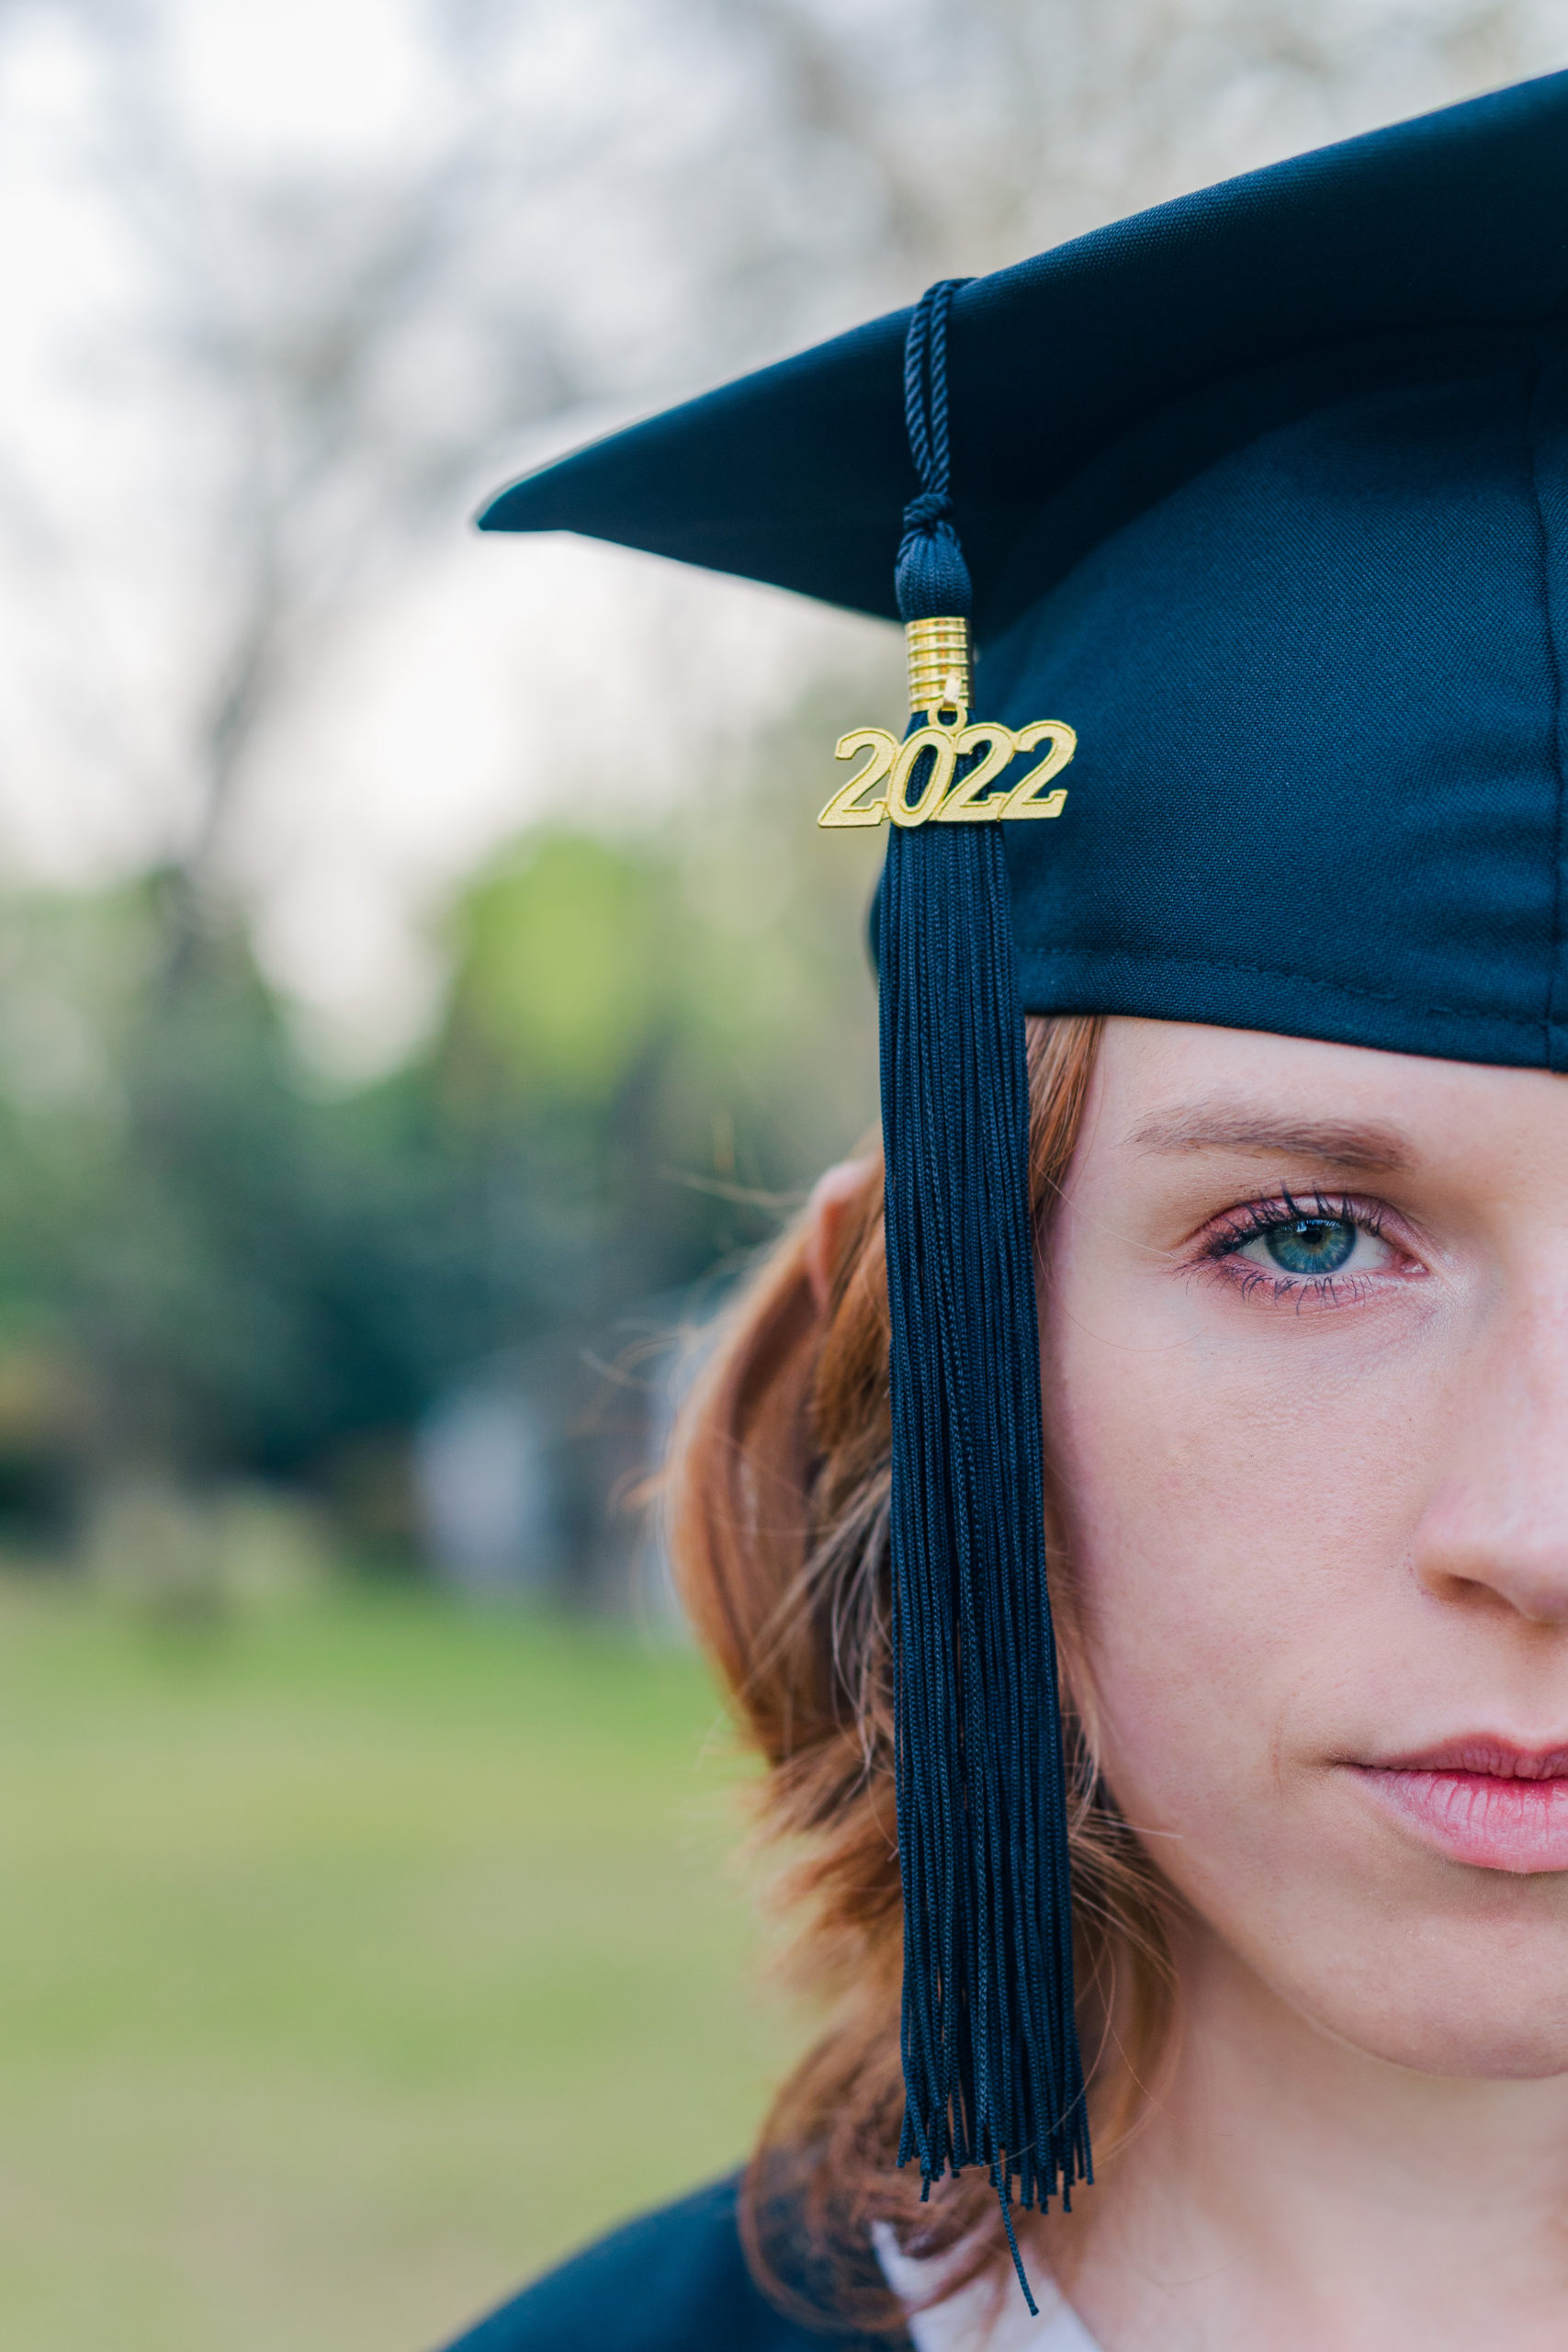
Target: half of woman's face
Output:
[(1305, 1338)]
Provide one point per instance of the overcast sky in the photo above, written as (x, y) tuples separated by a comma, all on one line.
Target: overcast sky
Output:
[(676, 189)]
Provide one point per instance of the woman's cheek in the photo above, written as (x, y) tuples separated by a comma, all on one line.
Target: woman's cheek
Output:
[(1229, 1547), (1237, 1544), (1173, 1558)]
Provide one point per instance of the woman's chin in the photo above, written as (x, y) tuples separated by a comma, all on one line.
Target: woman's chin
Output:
[(1478, 2015), (1439, 1940), (1503, 2049), (1465, 1979)]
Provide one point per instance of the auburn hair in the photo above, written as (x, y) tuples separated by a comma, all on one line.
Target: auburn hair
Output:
[(778, 1497)]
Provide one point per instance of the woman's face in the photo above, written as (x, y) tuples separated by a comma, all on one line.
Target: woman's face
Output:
[(1306, 1399)]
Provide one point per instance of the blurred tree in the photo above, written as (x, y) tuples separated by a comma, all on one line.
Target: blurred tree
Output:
[(319, 355), (223, 1274), (211, 1270), (306, 360)]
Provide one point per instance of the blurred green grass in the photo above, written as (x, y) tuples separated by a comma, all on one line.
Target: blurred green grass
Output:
[(354, 1961)]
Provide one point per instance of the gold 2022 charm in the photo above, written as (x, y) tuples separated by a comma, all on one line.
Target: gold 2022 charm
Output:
[(915, 782), (912, 781)]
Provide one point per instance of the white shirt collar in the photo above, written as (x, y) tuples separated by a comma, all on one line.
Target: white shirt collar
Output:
[(987, 2315)]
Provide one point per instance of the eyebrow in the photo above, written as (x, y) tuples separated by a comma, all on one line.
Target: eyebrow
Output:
[(1233, 1126)]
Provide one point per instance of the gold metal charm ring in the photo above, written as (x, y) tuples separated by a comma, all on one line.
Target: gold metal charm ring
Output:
[(940, 670)]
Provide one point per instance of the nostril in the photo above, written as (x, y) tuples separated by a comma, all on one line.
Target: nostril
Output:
[(1507, 1576)]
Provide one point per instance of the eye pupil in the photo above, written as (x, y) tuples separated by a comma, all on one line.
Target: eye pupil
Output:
[(1311, 1245)]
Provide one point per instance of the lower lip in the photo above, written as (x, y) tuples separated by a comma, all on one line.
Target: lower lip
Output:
[(1478, 1817)]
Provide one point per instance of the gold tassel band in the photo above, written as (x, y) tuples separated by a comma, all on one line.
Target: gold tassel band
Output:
[(939, 676)]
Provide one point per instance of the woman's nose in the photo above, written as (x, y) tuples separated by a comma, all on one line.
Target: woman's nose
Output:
[(1496, 1525)]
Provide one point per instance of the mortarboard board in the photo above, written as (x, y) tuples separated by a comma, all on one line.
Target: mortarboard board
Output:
[(1263, 497)]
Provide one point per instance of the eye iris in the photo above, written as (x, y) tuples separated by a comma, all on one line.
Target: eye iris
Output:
[(1311, 1245)]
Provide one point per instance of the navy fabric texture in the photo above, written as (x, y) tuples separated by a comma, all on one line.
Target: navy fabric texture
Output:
[(989, 2041), (1318, 694), (1266, 492), (988, 2033), (799, 473), (671, 2282)]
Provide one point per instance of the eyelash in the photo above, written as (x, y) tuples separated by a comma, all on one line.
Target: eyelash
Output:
[(1232, 1232)]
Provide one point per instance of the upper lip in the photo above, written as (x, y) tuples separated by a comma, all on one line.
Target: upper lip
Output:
[(1481, 1752)]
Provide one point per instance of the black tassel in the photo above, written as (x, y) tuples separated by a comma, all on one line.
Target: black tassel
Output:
[(992, 2070)]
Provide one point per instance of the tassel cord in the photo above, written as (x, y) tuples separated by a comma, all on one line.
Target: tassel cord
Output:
[(988, 2034), (932, 577), (993, 2078)]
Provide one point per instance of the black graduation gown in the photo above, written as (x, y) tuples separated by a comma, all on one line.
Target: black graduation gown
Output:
[(671, 2281)]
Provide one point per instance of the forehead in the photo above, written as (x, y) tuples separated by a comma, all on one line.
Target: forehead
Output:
[(1167, 1092)]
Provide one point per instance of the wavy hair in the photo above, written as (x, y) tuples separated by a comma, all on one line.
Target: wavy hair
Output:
[(778, 1496)]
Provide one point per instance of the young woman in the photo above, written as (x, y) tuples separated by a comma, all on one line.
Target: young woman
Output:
[(1267, 496)]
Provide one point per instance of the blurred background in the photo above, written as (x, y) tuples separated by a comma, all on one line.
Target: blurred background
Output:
[(422, 991)]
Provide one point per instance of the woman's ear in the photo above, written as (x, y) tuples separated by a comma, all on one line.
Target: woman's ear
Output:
[(832, 1197)]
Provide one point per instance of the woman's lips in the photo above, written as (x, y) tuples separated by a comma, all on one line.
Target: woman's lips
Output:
[(1481, 1801)]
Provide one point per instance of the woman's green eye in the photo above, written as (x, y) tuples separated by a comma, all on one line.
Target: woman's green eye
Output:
[(1311, 1245)]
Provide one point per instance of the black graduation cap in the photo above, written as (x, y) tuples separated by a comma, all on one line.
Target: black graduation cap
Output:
[(1264, 498)]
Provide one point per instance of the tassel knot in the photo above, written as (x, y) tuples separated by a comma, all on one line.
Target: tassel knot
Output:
[(927, 509), (931, 579)]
